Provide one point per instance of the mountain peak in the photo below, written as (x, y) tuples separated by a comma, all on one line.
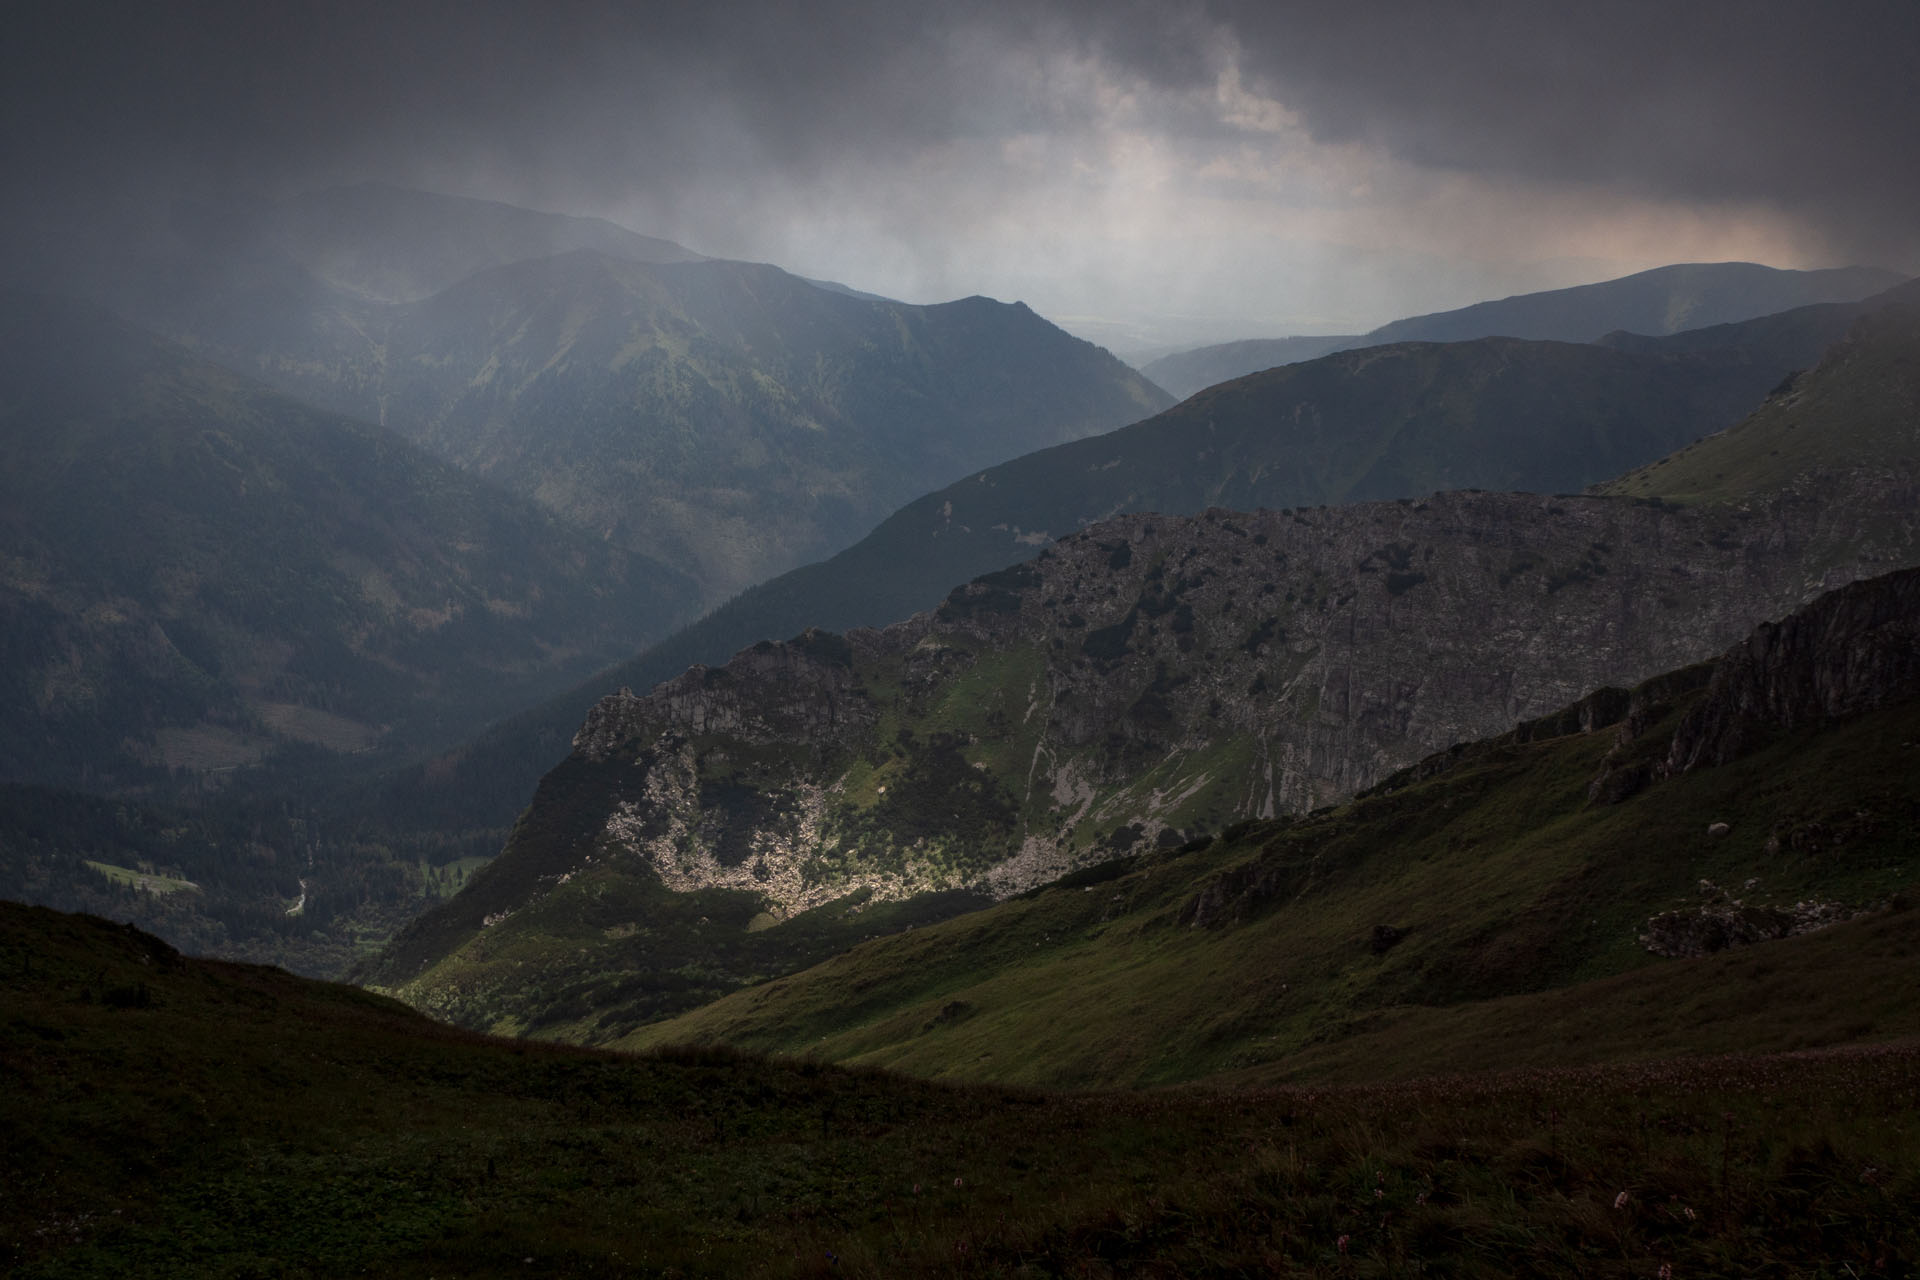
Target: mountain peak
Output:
[(1660, 300), (395, 244)]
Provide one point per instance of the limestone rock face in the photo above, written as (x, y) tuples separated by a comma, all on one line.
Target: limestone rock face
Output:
[(1155, 677), (801, 692)]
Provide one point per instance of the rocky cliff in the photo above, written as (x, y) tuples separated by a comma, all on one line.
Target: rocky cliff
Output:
[(1855, 650)]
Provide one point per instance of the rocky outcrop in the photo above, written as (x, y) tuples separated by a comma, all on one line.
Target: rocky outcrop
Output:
[(1851, 652), (802, 693), (1721, 922)]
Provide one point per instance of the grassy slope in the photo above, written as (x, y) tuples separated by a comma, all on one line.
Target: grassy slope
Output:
[(189, 1118), (1660, 301), (1506, 879), (1820, 425)]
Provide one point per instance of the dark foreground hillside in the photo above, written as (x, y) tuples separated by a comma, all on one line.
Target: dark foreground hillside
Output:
[(178, 1117)]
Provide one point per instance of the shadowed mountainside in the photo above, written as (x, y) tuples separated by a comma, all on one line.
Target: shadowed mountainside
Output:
[(1138, 683), (201, 572), (725, 417)]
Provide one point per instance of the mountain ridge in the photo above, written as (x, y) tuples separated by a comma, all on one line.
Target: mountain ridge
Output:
[(1137, 684), (800, 774), (1663, 300), (1633, 310)]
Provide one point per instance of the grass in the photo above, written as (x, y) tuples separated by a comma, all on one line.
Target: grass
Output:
[(1845, 412), (147, 882), (176, 1117), (1842, 985), (448, 878)]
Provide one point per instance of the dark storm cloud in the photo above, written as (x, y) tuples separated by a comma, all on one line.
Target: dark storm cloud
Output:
[(578, 104), (260, 94), (255, 94), (1814, 108)]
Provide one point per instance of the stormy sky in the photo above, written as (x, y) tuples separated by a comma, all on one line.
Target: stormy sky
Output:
[(1149, 168)]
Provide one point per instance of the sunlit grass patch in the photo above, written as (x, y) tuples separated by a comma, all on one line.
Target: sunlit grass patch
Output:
[(145, 881)]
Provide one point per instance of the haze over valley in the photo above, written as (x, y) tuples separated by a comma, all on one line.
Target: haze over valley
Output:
[(645, 640)]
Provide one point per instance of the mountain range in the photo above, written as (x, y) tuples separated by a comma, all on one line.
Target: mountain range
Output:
[(477, 323), (248, 600), (727, 418), (1665, 300), (1482, 771), (1403, 421), (1140, 684)]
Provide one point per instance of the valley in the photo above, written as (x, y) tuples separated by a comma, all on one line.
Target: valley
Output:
[(798, 782)]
